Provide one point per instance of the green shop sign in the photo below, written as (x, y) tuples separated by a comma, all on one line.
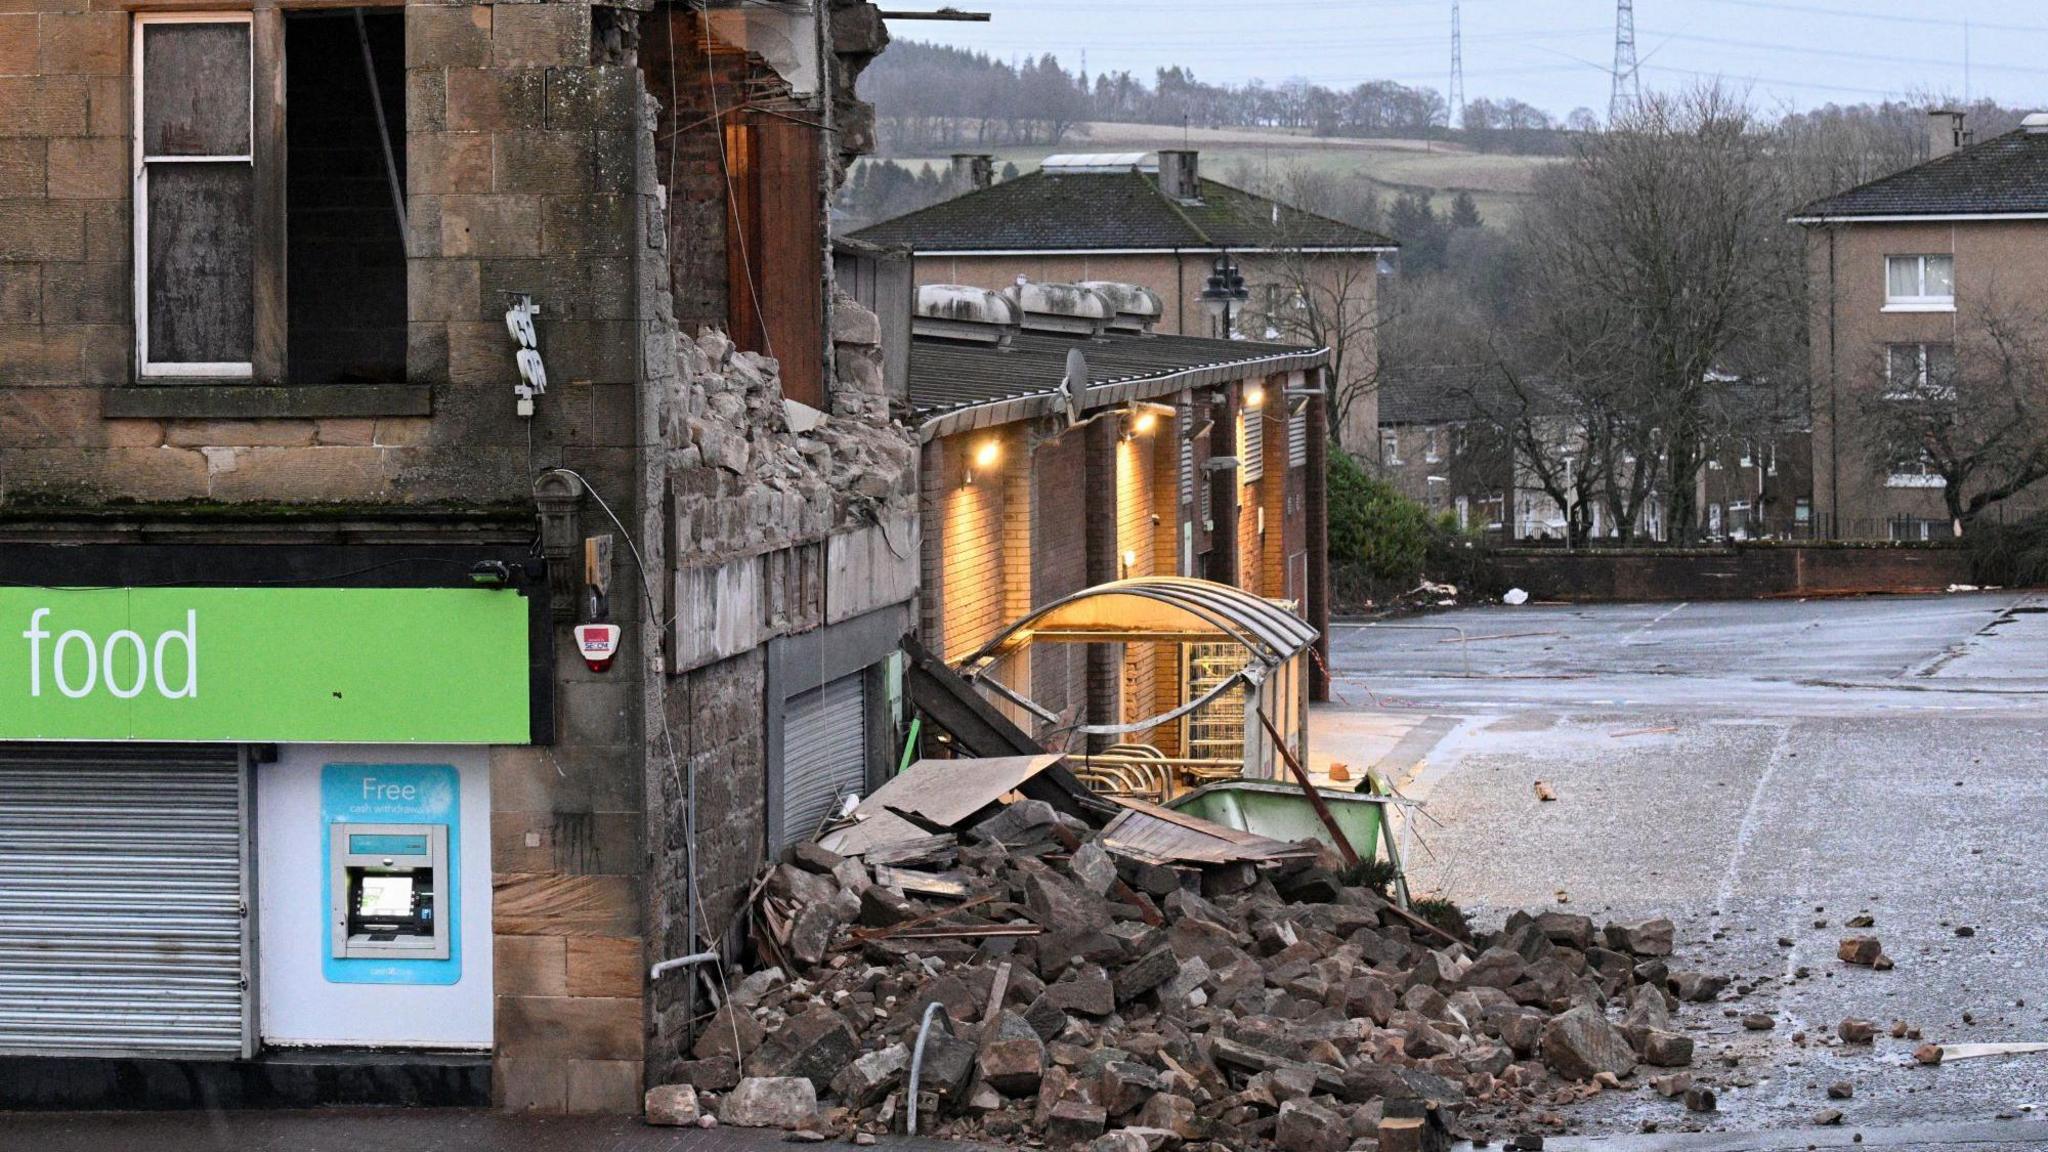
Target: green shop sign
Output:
[(264, 665)]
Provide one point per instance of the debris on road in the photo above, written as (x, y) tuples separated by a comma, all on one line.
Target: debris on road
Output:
[(1515, 597), (1112, 992), (1862, 951), (1855, 1031), (1951, 1052), (1928, 1054), (1545, 792)]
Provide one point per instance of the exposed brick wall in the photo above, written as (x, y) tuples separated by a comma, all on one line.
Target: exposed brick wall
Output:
[(1740, 573), (972, 556)]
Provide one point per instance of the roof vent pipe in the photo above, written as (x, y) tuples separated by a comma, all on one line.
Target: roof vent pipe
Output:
[(1180, 174), (974, 171)]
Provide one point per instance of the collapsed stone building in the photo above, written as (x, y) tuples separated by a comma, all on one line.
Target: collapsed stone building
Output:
[(369, 361)]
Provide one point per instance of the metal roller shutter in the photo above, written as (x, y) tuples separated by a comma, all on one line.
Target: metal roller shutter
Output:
[(824, 753), (121, 901)]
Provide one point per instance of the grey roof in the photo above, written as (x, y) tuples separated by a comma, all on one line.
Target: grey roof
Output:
[(957, 385), (1112, 210), (2005, 174)]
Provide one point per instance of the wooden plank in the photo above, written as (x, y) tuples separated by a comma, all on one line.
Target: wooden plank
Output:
[(268, 288), (1228, 1051), (930, 883), (911, 851), (1315, 798), (789, 260)]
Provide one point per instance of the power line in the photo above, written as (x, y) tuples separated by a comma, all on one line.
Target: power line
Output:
[(1627, 95)]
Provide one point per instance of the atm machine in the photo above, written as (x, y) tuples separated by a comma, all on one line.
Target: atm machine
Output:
[(389, 891)]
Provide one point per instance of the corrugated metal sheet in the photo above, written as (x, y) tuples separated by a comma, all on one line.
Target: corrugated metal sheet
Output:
[(1162, 836), (122, 901), (824, 754)]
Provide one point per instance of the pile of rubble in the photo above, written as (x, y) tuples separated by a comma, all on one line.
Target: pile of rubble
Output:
[(1093, 999)]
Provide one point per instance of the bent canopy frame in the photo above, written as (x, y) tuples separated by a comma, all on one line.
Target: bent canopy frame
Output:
[(1151, 608)]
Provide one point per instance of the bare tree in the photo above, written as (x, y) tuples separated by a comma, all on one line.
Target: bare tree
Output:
[(1969, 418), (1301, 294), (1656, 257)]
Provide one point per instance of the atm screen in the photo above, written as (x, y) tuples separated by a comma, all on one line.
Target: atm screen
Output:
[(385, 897)]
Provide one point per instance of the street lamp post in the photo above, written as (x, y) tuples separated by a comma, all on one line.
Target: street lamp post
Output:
[(1221, 295)]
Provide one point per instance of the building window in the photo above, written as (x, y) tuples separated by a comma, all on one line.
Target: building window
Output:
[(1802, 511), (325, 302), (1919, 283), (1390, 446), (1919, 371), (1433, 447), (1915, 471)]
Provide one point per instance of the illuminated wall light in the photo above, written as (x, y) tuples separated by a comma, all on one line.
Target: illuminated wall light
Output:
[(1254, 396), (986, 454), (1146, 422)]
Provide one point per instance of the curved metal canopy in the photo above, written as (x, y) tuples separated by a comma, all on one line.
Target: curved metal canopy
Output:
[(1160, 608)]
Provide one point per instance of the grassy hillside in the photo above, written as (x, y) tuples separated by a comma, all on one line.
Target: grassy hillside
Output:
[(1497, 182)]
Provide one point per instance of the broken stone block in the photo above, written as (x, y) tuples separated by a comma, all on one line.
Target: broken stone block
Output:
[(948, 1068), (872, 1076), (1013, 1063), (815, 1045), (1697, 987), (1173, 1113), (788, 1102), (1580, 1044), (1124, 1086), (1093, 869), (1072, 1123), (1045, 1017), (1058, 903), (716, 1040), (1855, 1031), (1642, 938), (708, 1075), (1412, 1134), (1860, 950), (1828, 1117), (1145, 974), (1674, 1085), (671, 1105), (1700, 1098), (1495, 968), (880, 908), (1305, 1126), (749, 991), (1565, 928), (1369, 998), (1085, 990), (1667, 1050), (1647, 1008), (810, 934), (1841, 1090), (1521, 1029), (1758, 1022), (1928, 1054), (810, 857)]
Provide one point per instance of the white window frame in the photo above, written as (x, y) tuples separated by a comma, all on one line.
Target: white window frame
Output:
[(1923, 301), (1924, 478), (1432, 446), (144, 366), (1922, 387), (1390, 446)]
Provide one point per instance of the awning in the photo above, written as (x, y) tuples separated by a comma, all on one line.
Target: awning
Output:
[(1160, 608), (1152, 608)]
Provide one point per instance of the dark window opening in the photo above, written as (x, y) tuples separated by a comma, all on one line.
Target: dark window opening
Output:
[(345, 249)]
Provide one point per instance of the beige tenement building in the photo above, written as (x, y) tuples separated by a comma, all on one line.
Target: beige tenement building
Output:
[(1153, 220), (1902, 271)]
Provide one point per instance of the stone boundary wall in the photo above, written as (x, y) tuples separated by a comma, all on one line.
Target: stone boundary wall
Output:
[(1742, 573)]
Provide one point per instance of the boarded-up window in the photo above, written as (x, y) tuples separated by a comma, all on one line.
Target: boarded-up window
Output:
[(195, 181), (1251, 445)]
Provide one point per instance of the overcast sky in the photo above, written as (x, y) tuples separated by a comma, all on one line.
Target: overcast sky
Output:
[(1553, 53)]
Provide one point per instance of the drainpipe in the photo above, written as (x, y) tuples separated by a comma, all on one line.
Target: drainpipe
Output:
[(1317, 498), (1223, 474), (1099, 535)]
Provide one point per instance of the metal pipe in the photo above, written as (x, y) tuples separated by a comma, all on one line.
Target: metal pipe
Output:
[(924, 1030), (383, 130), (655, 972)]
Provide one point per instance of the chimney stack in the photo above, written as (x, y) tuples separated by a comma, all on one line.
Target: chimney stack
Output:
[(1944, 132), (1179, 174), (974, 170)]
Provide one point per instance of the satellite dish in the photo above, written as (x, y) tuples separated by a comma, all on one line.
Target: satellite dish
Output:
[(1074, 388)]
